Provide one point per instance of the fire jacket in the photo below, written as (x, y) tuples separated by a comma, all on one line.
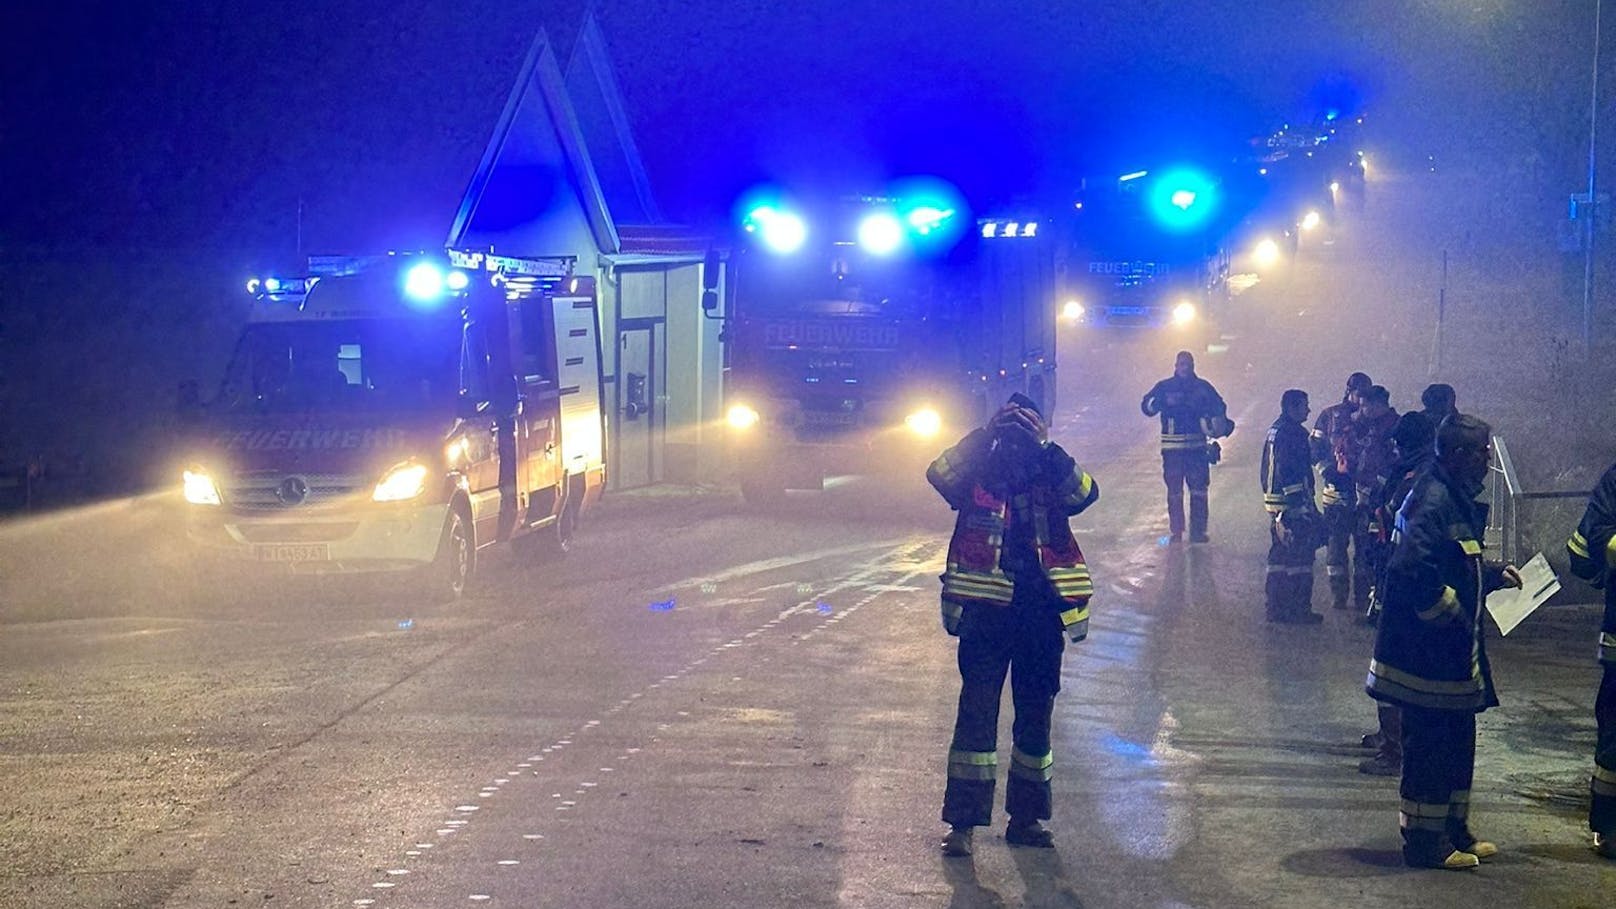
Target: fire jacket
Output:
[(1429, 645), (1032, 516), (1190, 408), (1371, 459), (1287, 470), (1328, 431), (1593, 555), (1406, 472)]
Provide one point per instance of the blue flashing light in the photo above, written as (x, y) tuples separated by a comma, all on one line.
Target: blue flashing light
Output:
[(880, 233), (927, 218), (1133, 176), (272, 285), (424, 282), (782, 231), (1182, 199), (990, 229), (252, 285)]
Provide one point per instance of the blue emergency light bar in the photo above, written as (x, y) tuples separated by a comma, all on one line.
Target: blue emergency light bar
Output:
[(1005, 230)]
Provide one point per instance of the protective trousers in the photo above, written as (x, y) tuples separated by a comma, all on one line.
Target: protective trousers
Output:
[(1439, 759), (1338, 518), (1182, 467), (1368, 554), (1602, 812), (1289, 590), (1025, 639)]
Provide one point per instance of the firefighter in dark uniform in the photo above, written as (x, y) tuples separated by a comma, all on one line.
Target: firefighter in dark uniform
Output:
[(1336, 492), (1191, 410), (1287, 481), (1370, 458), (1430, 655), (1015, 588), (1414, 443), (1593, 558)]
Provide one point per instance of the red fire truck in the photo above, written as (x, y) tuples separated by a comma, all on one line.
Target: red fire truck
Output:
[(401, 413)]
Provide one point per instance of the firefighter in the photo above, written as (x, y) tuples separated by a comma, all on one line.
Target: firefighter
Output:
[(1287, 481), (1191, 410), (1014, 589), (1430, 653), (1335, 491), (1413, 441), (1369, 458), (1593, 558), (1439, 402)]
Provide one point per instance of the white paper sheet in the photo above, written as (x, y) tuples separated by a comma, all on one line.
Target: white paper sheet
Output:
[(1511, 607)]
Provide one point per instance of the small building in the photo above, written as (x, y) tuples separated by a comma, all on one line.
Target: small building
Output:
[(562, 176)]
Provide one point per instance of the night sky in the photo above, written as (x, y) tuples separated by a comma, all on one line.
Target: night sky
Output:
[(203, 125)]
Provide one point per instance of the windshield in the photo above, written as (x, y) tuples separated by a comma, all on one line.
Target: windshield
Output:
[(355, 365), (839, 280)]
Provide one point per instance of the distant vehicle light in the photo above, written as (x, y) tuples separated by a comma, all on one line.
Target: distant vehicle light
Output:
[(200, 488), (880, 233), (924, 422), (1183, 198), (741, 416), (1335, 186), (424, 282), (927, 218), (457, 280), (1262, 171), (402, 483), (1073, 310), (1266, 253), (1311, 220), (1184, 313), (784, 232)]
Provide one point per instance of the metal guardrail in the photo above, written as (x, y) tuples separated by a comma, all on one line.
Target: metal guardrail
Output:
[(1506, 493)]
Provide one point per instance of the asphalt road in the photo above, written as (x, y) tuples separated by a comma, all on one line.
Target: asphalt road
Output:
[(704, 705)]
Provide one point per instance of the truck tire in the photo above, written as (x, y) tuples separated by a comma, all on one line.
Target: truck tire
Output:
[(452, 569), (556, 540)]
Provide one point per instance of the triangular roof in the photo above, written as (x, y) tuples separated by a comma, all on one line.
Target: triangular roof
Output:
[(592, 87), (538, 119)]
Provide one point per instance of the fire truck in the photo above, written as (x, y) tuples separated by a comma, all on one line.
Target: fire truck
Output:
[(862, 335), (401, 413), (1145, 250)]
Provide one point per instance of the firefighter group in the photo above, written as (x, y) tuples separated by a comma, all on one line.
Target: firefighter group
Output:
[(1394, 501)]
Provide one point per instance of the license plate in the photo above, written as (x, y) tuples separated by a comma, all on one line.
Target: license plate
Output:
[(1127, 310), (292, 552)]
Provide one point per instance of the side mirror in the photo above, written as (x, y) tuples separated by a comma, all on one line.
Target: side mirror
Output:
[(711, 267), (709, 301)]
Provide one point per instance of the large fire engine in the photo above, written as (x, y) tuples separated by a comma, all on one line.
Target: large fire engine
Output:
[(1145, 249), (401, 413), (864, 334)]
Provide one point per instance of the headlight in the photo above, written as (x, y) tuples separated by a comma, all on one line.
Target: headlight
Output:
[(1311, 220), (880, 233), (1073, 310), (742, 417), (200, 488), (1184, 313), (1266, 254), (405, 481), (924, 422)]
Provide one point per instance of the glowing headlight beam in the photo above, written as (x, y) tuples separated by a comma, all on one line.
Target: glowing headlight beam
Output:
[(1266, 253), (741, 416), (200, 488), (1184, 313), (924, 422), (403, 482), (880, 233)]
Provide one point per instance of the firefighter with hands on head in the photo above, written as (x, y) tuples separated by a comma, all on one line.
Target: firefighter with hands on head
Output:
[(1192, 413), (1430, 651), (1369, 458), (1413, 441), (1287, 482), (1593, 558), (1015, 588), (1336, 491)]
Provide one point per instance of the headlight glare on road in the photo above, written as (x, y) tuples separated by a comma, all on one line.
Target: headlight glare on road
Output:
[(1184, 312), (200, 488), (741, 416), (925, 422), (406, 481), (1266, 253)]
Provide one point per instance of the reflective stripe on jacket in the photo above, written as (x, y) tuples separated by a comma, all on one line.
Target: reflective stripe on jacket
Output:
[(1190, 410), (1593, 555), (1429, 645), (1287, 472), (975, 572)]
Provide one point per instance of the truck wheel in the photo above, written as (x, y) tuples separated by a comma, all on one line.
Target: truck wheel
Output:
[(556, 540), (456, 561)]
